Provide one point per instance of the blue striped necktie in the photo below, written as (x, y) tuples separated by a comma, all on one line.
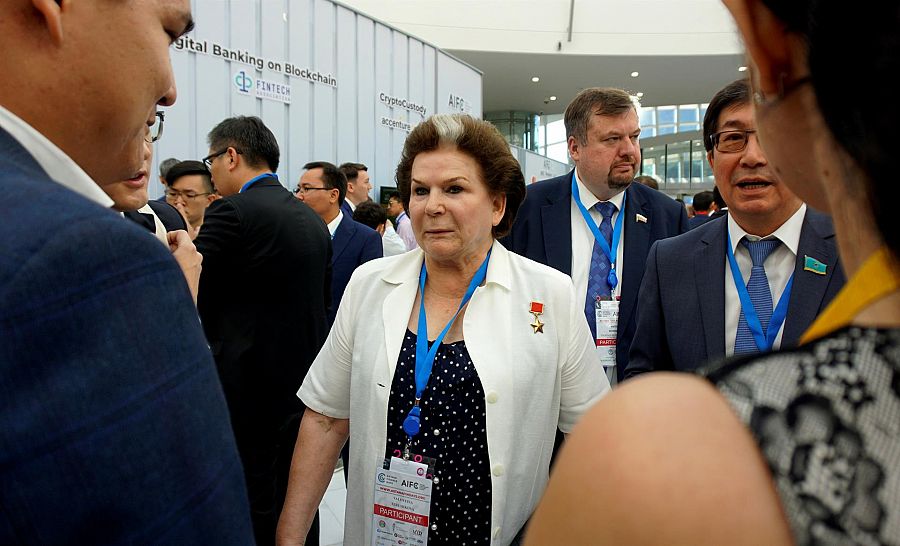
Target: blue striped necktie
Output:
[(599, 271), (760, 294)]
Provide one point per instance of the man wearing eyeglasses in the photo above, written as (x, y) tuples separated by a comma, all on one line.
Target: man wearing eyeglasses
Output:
[(189, 188), (748, 282), (264, 295), (113, 427), (323, 187)]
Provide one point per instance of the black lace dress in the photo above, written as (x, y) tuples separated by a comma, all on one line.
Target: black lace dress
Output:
[(826, 417), (454, 433)]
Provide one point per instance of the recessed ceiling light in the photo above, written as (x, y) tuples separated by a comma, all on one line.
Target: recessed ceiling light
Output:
[(640, 94), (535, 79), (552, 97), (742, 69), (284, 16), (635, 74)]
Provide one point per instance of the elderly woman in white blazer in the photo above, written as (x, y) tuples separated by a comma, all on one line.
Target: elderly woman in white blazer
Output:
[(516, 361)]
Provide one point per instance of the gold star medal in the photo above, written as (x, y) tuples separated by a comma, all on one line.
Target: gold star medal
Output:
[(537, 309)]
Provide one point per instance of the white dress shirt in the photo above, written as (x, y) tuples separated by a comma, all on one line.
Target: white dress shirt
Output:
[(533, 381), (779, 268), (54, 161), (333, 224), (391, 242), (583, 239)]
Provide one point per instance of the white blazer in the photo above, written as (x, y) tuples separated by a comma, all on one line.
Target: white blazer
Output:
[(533, 382)]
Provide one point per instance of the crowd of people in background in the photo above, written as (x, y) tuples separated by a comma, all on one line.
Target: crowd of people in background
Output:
[(193, 374)]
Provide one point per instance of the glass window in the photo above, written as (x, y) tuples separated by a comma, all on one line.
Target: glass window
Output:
[(666, 130), (687, 113), (647, 132), (556, 132), (559, 152), (682, 127), (665, 115), (648, 116), (648, 166), (673, 168)]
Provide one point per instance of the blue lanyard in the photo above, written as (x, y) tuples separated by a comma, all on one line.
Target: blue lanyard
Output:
[(764, 341), (400, 216), (612, 279), (257, 179), (424, 354)]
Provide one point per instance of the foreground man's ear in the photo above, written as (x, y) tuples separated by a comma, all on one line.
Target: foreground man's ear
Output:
[(51, 13), (767, 42)]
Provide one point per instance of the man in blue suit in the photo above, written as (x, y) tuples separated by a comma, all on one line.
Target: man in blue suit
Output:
[(605, 260), (323, 187), (703, 207), (694, 305), (113, 426)]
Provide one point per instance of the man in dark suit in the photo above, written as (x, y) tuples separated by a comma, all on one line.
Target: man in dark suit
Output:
[(691, 309), (263, 299), (113, 426), (702, 203), (323, 187), (602, 129), (358, 186)]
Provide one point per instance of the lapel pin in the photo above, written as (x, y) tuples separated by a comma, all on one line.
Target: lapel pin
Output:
[(814, 265), (640, 218), (537, 309)]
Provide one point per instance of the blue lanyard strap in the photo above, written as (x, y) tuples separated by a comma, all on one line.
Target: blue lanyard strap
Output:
[(764, 341), (256, 179), (425, 355), (611, 253)]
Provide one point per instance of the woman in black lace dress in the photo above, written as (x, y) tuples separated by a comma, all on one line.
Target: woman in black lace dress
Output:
[(800, 446)]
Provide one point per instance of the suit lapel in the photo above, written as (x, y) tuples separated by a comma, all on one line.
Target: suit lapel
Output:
[(637, 246), (342, 236), (556, 224), (709, 280), (144, 220), (809, 288)]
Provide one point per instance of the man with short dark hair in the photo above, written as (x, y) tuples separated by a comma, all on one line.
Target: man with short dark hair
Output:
[(594, 224), (721, 205), (190, 189), (323, 187), (358, 186), (702, 203), (750, 282), (113, 428), (264, 295), (404, 226), (373, 215)]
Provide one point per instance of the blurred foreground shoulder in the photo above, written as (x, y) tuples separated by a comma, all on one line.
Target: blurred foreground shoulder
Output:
[(661, 460)]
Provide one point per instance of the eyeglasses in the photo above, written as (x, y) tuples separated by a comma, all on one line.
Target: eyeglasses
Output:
[(307, 189), (175, 194), (732, 141), (209, 159), (156, 130)]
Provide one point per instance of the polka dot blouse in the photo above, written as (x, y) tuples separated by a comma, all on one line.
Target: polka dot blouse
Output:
[(453, 433)]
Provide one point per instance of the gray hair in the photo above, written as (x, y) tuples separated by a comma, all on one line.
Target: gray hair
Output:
[(449, 127), (167, 164)]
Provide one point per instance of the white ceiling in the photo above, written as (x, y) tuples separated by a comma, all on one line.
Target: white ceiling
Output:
[(664, 80)]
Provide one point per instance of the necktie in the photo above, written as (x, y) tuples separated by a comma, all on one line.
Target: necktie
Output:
[(760, 294), (599, 271)]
